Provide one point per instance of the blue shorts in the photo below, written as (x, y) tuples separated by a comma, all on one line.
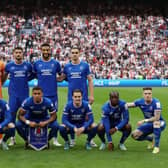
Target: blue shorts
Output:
[(15, 104), (147, 128)]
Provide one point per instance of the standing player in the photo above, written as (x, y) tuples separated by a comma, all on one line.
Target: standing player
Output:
[(46, 70), (78, 118), (6, 126), (77, 74), (34, 112), (153, 122), (19, 72), (2, 70), (115, 117)]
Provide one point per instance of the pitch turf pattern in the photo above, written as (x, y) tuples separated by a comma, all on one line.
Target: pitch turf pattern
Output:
[(137, 155)]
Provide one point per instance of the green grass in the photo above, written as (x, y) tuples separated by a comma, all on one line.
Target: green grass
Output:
[(137, 155)]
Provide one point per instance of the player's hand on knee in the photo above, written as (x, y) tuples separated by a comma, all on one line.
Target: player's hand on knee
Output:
[(33, 124), (79, 131), (113, 130), (42, 124), (139, 123)]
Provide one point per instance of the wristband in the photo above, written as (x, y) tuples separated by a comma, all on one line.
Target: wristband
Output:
[(146, 120), (27, 122)]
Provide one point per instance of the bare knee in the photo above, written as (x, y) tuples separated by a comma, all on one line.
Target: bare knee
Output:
[(136, 134)]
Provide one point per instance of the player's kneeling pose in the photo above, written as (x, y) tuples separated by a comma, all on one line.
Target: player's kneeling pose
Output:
[(78, 118), (34, 113), (115, 117), (153, 122), (6, 126)]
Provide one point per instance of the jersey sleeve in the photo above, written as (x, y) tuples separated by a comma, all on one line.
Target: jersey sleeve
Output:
[(65, 117), (89, 116), (51, 107), (125, 116), (87, 70), (106, 122), (137, 102), (58, 68), (25, 105), (8, 117)]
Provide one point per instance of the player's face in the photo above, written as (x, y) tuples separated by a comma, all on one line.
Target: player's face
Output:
[(37, 96), (147, 95), (46, 52), (18, 55), (75, 55), (114, 100), (77, 98)]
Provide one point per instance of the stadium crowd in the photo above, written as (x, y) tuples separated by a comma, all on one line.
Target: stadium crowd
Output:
[(117, 42)]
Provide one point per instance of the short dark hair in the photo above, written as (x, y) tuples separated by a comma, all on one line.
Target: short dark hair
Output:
[(18, 48), (37, 88), (77, 91), (114, 94), (147, 88), (45, 45)]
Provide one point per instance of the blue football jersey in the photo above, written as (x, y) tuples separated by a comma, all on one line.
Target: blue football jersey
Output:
[(117, 116), (5, 113), (19, 76), (148, 109), (38, 111), (46, 72), (77, 78), (77, 116)]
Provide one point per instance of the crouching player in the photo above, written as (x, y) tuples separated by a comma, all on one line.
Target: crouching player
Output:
[(153, 122), (6, 126), (115, 117), (78, 118), (34, 113)]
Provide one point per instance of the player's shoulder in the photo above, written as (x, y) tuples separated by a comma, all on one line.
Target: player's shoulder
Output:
[(10, 63), (122, 102), (84, 63), (140, 100), (47, 100), (106, 106), (28, 101), (156, 101)]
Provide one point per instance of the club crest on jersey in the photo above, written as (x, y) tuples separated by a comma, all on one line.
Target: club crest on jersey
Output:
[(81, 68), (52, 65), (38, 131), (83, 110), (150, 108), (12, 68), (31, 107), (40, 65), (25, 67), (69, 68), (44, 107)]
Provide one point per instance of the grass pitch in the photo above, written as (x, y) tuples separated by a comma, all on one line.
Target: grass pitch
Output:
[(137, 155)]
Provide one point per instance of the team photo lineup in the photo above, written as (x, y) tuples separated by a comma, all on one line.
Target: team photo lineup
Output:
[(78, 43), (40, 109)]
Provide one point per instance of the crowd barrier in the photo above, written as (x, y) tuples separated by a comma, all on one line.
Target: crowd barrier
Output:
[(112, 83)]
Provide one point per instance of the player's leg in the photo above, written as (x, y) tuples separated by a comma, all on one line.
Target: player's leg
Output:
[(22, 130), (143, 132), (91, 132), (64, 133), (8, 131), (54, 100), (126, 131), (101, 134), (158, 126), (54, 127), (14, 105)]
